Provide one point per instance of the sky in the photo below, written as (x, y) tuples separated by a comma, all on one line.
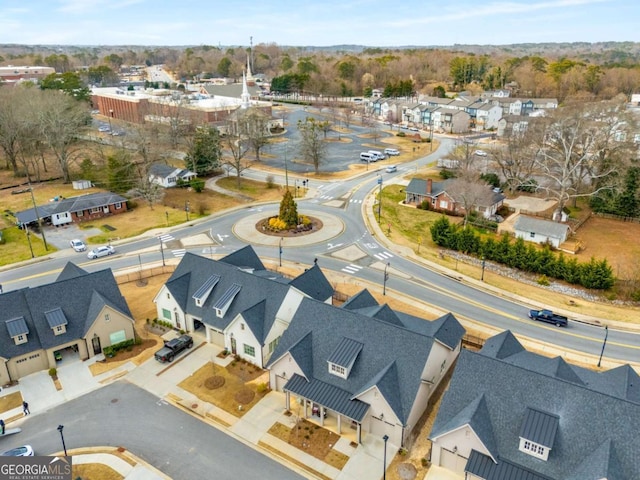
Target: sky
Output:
[(316, 23)]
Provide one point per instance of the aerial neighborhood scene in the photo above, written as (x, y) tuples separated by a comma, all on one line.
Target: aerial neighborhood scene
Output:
[(326, 241)]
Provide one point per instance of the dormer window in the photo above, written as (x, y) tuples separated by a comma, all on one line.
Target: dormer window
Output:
[(338, 370), (205, 290), (18, 330), (538, 433), (56, 320), (343, 357), (224, 302)]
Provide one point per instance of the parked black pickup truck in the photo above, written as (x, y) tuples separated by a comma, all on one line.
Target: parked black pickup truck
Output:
[(549, 317), (173, 347)]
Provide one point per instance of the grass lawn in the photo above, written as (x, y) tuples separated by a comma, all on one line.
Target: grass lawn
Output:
[(603, 238), (235, 389)]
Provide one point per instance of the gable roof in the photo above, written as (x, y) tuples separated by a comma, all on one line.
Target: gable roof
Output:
[(163, 170), (589, 410), (71, 270), (246, 257), (241, 284), (476, 415), (75, 300), (392, 356), (543, 227), (313, 283), (71, 204)]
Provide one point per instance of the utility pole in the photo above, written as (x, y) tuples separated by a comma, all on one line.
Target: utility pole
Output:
[(380, 198), (35, 208), (606, 334)]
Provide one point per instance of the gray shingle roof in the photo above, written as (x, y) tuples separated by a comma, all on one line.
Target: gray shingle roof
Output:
[(590, 411), (78, 298), (245, 257), (193, 271), (476, 415), (543, 227), (391, 354), (602, 463), (313, 283), (71, 270), (71, 204)]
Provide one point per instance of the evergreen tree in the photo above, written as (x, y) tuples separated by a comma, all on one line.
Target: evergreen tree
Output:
[(288, 210)]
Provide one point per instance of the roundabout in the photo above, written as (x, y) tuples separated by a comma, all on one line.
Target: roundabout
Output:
[(246, 230)]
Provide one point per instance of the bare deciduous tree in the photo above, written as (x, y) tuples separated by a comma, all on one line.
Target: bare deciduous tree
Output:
[(60, 118), (312, 147)]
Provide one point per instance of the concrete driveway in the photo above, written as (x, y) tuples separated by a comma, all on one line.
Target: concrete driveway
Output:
[(60, 237)]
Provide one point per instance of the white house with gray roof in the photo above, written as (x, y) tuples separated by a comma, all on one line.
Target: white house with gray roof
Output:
[(363, 366), (79, 314), (539, 230), (243, 307), (168, 176), (510, 414)]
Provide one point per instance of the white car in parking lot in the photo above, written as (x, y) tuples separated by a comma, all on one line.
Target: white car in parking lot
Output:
[(392, 152), (480, 153), (101, 252)]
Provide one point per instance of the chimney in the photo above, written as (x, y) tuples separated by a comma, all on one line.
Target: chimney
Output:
[(429, 185)]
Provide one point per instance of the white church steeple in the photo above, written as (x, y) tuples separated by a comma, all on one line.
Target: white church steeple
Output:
[(245, 97)]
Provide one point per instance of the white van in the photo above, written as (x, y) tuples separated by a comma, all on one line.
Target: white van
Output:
[(377, 154), (392, 151), (368, 157)]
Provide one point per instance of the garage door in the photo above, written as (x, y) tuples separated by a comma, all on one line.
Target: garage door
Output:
[(452, 461), (280, 383), (217, 337)]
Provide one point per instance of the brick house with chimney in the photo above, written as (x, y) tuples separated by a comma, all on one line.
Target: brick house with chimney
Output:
[(440, 200), (435, 193)]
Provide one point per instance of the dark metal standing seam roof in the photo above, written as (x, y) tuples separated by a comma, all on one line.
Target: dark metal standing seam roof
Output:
[(539, 427), (228, 296), (206, 287), (328, 396), (483, 467), (345, 353), (55, 317), (17, 326)]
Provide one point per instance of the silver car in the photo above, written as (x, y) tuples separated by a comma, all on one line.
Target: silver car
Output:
[(78, 245), (101, 252)]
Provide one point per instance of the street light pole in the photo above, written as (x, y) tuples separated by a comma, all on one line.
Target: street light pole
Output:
[(64, 447), (186, 208), (606, 334), (162, 250), (385, 278), (380, 198), (482, 276), (280, 250), (384, 458)]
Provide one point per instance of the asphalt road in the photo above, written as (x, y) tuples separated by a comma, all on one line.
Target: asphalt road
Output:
[(445, 292), (174, 442)]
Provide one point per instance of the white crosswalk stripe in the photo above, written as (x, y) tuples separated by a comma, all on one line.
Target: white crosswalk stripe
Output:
[(326, 197), (179, 253), (383, 256), (355, 201), (165, 238), (352, 268)]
